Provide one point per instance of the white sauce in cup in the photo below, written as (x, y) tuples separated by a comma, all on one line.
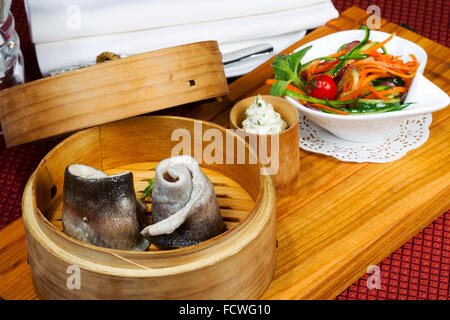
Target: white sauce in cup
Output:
[(262, 118)]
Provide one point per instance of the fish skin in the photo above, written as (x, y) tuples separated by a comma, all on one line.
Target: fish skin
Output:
[(103, 211)]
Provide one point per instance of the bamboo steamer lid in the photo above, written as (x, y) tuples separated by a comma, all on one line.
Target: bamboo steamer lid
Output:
[(111, 91)]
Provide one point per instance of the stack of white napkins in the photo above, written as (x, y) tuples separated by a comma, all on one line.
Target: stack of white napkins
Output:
[(74, 32)]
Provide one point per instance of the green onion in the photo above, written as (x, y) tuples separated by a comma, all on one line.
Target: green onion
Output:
[(381, 109), (147, 192), (332, 103), (351, 52)]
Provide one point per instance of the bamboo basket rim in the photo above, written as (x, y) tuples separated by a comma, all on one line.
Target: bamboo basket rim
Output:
[(266, 185)]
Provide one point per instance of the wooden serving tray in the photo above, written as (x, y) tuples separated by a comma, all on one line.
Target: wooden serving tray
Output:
[(341, 217)]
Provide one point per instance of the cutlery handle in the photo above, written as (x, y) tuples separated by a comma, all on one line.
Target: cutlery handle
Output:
[(238, 55)]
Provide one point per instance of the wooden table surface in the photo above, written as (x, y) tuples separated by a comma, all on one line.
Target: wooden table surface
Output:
[(340, 217)]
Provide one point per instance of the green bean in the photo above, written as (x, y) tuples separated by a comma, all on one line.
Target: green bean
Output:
[(371, 109), (333, 103), (353, 50)]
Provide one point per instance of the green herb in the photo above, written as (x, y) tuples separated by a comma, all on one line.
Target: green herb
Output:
[(286, 69), (147, 192)]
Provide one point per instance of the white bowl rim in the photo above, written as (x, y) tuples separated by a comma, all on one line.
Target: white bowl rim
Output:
[(353, 117)]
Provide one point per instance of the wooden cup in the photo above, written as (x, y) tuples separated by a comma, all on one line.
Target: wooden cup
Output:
[(288, 140)]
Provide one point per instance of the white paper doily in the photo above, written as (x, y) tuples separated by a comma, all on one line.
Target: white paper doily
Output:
[(411, 134)]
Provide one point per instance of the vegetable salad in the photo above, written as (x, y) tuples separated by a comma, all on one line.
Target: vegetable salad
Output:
[(360, 78)]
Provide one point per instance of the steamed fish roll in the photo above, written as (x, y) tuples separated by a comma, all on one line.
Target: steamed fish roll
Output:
[(185, 210), (102, 210)]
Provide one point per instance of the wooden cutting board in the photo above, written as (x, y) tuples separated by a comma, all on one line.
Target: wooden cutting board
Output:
[(340, 217)]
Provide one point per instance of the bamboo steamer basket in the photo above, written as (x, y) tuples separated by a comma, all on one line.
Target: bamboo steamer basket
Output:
[(237, 264)]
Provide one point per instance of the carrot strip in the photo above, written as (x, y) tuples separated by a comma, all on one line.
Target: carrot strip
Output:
[(322, 106), (378, 45), (270, 81), (348, 85), (362, 86), (295, 89), (373, 63), (312, 68), (408, 83), (366, 71), (371, 77), (386, 92), (338, 54), (352, 95), (326, 67), (396, 72), (347, 82), (289, 86), (393, 90), (400, 74), (371, 96), (378, 94)]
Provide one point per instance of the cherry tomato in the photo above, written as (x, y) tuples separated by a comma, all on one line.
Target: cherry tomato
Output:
[(322, 85)]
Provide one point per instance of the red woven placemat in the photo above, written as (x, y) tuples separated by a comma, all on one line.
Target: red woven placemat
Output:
[(16, 166), (418, 270), (429, 18)]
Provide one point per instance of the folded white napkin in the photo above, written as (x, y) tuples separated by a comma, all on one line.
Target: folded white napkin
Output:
[(241, 31), (53, 20)]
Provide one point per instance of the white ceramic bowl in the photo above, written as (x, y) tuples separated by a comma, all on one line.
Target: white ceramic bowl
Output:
[(375, 127)]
